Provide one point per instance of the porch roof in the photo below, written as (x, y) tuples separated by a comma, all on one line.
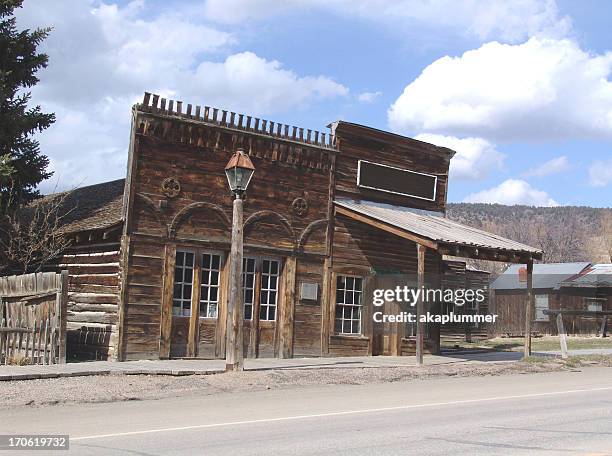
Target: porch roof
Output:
[(435, 231)]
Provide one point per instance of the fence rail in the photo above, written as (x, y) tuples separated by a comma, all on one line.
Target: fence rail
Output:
[(33, 318)]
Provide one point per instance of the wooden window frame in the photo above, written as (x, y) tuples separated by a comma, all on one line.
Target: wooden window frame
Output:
[(544, 317), (219, 285), (361, 305), (184, 251), (257, 287), (196, 276)]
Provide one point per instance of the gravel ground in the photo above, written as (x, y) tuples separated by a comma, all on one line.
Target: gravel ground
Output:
[(112, 388)]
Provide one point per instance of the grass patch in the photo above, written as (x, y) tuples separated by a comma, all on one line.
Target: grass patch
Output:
[(572, 361), (537, 359), (545, 343)]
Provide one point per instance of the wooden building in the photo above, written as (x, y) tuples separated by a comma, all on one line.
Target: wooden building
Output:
[(328, 217), (557, 286)]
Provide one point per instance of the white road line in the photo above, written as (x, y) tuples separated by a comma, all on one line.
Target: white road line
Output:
[(347, 412)]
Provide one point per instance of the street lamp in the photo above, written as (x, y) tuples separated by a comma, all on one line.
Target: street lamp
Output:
[(239, 171)]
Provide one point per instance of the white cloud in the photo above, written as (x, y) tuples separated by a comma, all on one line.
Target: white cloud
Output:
[(249, 83), (102, 57), (541, 89), (600, 173), (510, 192), (501, 19), (368, 97), (554, 166), (475, 157)]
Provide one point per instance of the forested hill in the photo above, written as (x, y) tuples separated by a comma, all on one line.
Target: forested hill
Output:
[(565, 233)]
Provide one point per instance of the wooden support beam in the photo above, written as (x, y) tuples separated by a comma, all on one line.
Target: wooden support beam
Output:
[(287, 309), (420, 283), (528, 309)]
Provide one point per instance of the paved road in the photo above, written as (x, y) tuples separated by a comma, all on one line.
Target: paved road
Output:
[(552, 413)]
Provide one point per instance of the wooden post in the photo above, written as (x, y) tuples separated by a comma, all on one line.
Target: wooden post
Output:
[(165, 336), (562, 336), (234, 359), (62, 310), (194, 319), (326, 307), (287, 310), (604, 324), (420, 324), (528, 309)]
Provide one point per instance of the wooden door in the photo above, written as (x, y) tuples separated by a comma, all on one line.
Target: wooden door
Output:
[(261, 288), (195, 305), (182, 302)]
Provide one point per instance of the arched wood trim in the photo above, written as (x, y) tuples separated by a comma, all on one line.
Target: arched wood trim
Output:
[(184, 214), (260, 215), (312, 227), (152, 207)]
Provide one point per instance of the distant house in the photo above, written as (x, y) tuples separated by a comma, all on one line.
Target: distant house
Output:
[(594, 284), (570, 286)]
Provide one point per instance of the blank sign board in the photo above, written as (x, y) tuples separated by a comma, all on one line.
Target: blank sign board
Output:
[(396, 180)]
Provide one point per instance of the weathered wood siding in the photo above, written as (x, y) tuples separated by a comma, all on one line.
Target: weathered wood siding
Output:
[(361, 250), (510, 309), (356, 143), (308, 314), (199, 217)]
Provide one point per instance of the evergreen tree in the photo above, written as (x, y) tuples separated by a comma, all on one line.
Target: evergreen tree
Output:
[(22, 165)]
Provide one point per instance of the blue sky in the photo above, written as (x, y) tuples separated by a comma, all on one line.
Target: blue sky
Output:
[(521, 90)]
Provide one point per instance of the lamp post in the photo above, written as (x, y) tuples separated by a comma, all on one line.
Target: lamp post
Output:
[(239, 171)]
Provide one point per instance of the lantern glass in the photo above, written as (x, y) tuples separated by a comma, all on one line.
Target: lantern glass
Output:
[(239, 178)]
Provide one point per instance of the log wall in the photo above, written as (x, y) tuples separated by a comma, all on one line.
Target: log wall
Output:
[(93, 302)]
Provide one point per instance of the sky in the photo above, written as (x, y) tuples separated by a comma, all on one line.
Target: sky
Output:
[(521, 90)]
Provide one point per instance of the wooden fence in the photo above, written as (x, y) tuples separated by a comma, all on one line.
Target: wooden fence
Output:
[(33, 318)]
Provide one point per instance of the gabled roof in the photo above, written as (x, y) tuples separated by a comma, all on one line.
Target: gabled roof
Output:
[(545, 276), (598, 275), (89, 208), (430, 226)]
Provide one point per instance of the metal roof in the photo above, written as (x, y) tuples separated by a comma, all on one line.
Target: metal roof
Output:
[(433, 226), (545, 276), (598, 275)]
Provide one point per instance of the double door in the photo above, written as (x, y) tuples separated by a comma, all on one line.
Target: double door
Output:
[(198, 311)]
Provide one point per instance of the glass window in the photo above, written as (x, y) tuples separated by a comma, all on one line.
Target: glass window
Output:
[(209, 286), (183, 283), (349, 292), (248, 286), (268, 296), (541, 304)]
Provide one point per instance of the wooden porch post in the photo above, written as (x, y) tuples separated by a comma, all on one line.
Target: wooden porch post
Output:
[(420, 282), (528, 308), (62, 312)]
